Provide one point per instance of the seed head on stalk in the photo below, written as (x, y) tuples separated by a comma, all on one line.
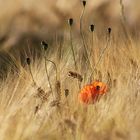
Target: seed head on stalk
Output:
[(84, 3), (92, 27), (28, 61), (70, 21), (45, 47)]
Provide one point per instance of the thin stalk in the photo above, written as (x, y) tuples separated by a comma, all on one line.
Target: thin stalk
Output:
[(48, 78), (54, 66), (102, 53), (83, 38), (70, 22), (75, 64), (101, 56), (122, 10), (91, 49), (123, 23), (32, 75)]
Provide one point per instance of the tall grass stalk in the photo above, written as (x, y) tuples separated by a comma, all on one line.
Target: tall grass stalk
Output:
[(82, 35), (102, 52), (45, 47), (70, 21), (71, 41), (48, 74), (28, 60), (92, 35), (55, 67), (124, 24)]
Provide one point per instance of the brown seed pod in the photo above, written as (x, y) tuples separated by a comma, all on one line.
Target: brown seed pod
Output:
[(109, 30), (28, 60), (70, 21), (92, 27), (84, 3)]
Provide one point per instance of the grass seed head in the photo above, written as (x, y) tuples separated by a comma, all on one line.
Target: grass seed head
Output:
[(58, 90), (76, 75), (42, 94), (54, 103)]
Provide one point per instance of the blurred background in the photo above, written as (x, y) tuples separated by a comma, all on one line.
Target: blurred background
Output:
[(36, 20)]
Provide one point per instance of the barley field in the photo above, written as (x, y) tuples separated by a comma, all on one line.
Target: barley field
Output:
[(40, 86)]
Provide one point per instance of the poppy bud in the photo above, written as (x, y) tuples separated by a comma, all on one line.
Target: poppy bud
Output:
[(109, 30), (28, 61), (84, 3), (91, 27), (70, 21), (45, 45)]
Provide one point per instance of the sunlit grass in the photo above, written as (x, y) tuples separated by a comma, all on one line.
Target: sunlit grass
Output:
[(39, 92), (114, 116)]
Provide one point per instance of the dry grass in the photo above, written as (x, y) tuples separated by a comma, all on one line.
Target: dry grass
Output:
[(25, 116), (39, 98)]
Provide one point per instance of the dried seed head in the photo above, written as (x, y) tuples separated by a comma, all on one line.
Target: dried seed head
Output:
[(44, 45), (54, 103), (58, 90), (76, 75), (28, 61), (109, 30), (84, 3), (66, 92), (91, 27), (42, 94), (70, 21)]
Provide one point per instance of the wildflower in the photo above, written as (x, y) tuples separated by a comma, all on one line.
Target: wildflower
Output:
[(91, 93)]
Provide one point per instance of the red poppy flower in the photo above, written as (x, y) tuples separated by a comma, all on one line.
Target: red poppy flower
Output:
[(90, 93)]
